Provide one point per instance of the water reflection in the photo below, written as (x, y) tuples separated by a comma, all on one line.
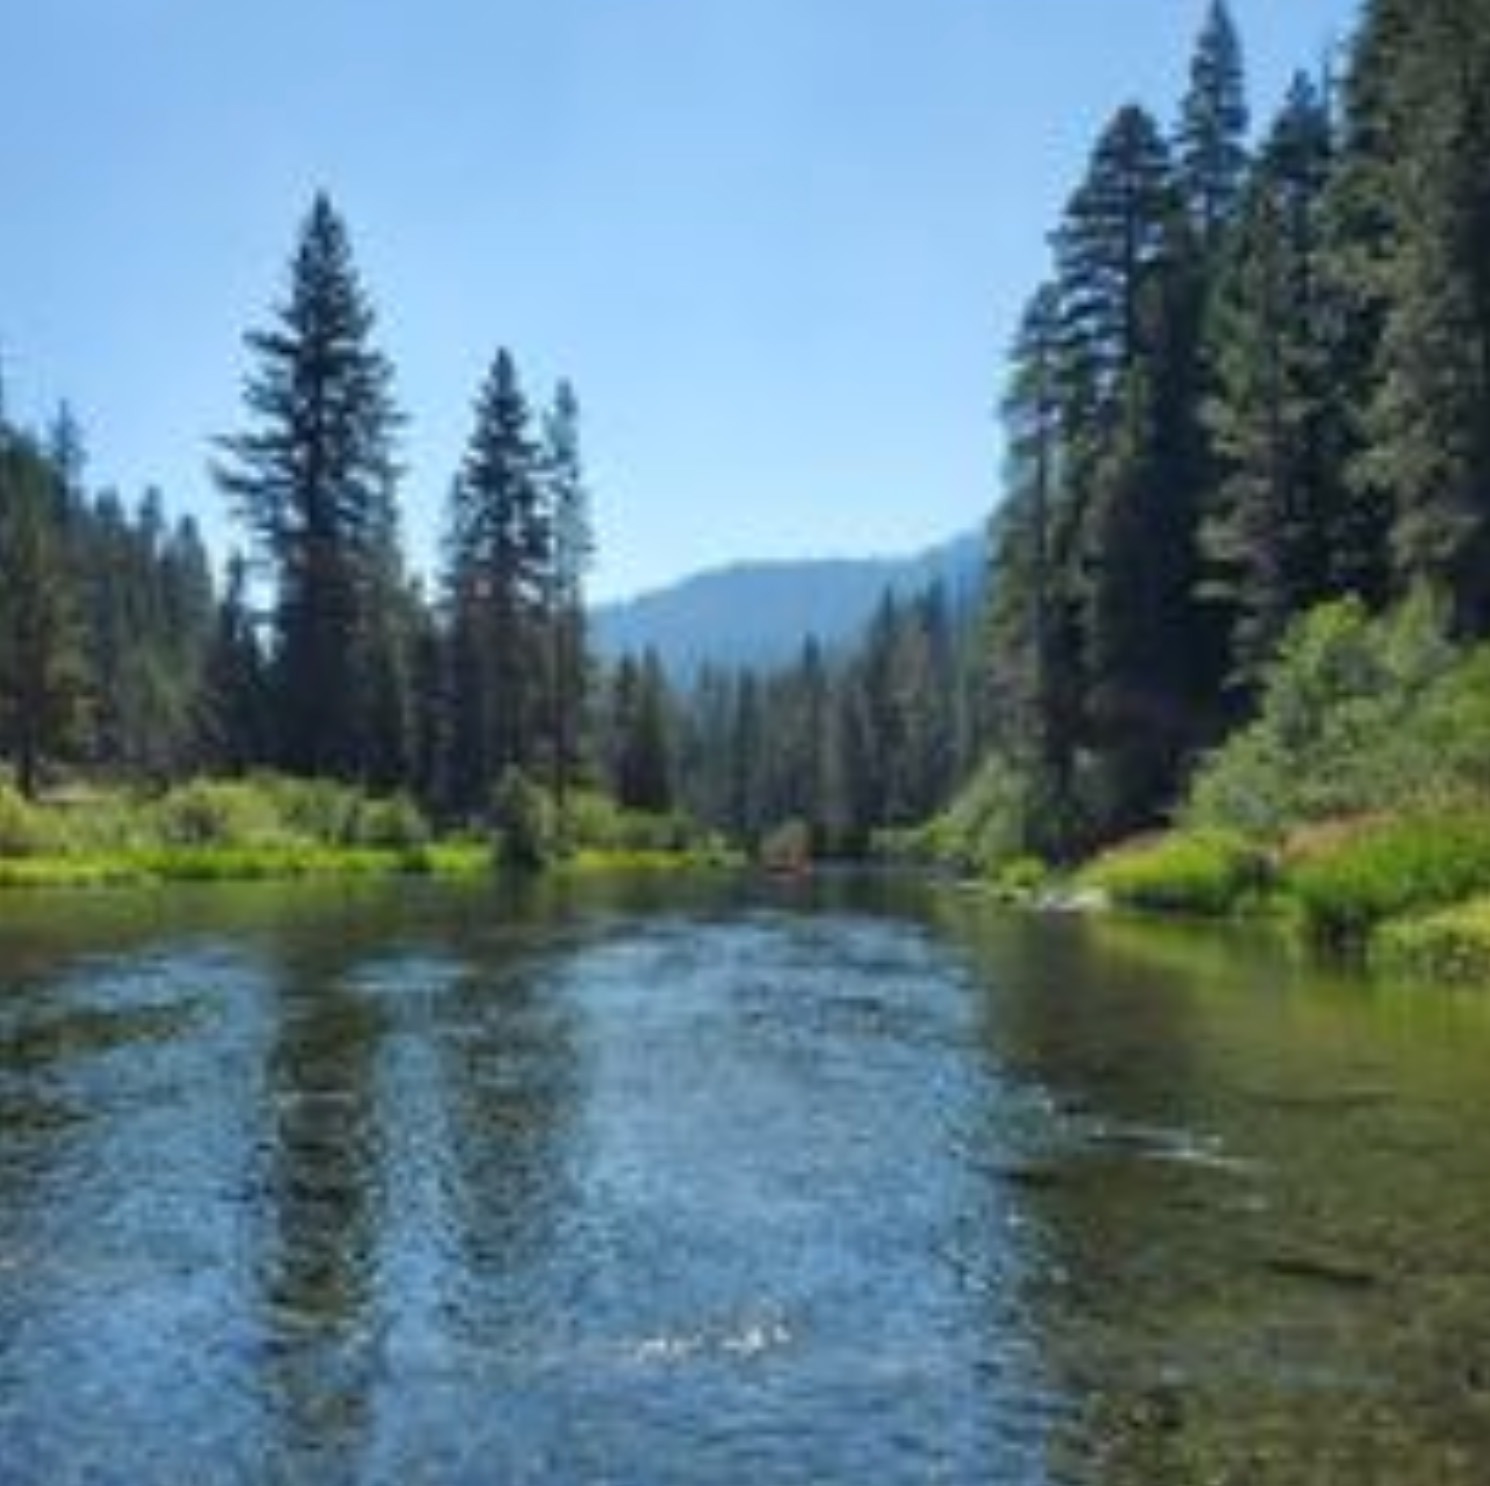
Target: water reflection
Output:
[(1261, 1261), (322, 1201), (683, 1182)]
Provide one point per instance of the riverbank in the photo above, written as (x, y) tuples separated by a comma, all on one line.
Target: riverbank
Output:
[(270, 827), (1408, 893), (226, 864)]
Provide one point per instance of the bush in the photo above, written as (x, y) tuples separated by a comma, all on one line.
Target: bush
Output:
[(523, 817), (218, 813), (25, 829), (1453, 944), (318, 810), (1021, 878), (394, 823), (787, 847), (1389, 869), (994, 819), (595, 822), (1209, 873), (1357, 715)]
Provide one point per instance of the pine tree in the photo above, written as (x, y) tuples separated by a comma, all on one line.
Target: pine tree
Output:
[(1281, 434), (1362, 220), (1430, 418), (1032, 626), (234, 715), (1212, 136), (313, 482), (42, 676), (639, 735), (571, 553), (1109, 248), (1130, 293), (497, 588)]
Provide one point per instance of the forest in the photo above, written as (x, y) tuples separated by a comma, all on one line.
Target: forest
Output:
[(1244, 513)]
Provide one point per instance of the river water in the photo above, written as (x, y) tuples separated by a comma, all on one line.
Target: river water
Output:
[(710, 1182)]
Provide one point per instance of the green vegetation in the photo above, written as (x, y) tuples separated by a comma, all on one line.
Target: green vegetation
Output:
[(1390, 869), (1247, 393), (1206, 873), (1451, 945), (1358, 716), (1357, 802), (270, 826), (209, 830), (523, 818), (1239, 580)]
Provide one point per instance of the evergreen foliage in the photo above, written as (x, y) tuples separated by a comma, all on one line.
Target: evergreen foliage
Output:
[(496, 592), (1255, 384), (313, 480), (1247, 491)]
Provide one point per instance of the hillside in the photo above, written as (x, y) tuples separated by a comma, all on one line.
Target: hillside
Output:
[(759, 614)]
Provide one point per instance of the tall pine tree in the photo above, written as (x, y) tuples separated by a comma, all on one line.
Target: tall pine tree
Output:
[(313, 481), (497, 590), (1212, 136), (42, 676), (1278, 524)]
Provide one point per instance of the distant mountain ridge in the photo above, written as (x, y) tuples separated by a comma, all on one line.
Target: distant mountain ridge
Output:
[(759, 614)]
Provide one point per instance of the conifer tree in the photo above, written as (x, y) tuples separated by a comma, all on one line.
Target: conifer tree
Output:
[(1430, 417), (1032, 636), (313, 480), (571, 551), (235, 722), (497, 588), (1280, 432), (1130, 292), (42, 676), (639, 733), (1212, 136)]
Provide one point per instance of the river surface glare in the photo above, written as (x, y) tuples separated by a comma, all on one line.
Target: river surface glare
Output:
[(650, 1182)]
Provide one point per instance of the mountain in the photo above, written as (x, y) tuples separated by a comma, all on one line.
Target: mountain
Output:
[(759, 613)]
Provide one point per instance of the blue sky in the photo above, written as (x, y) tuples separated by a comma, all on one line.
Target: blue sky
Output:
[(779, 245)]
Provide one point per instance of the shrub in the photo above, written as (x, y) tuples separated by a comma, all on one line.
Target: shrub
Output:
[(787, 847), (319, 810), (523, 817), (217, 813), (1210, 873), (393, 823), (1021, 878), (1391, 868), (1453, 944), (994, 819), (25, 829), (1357, 715), (595, 822)]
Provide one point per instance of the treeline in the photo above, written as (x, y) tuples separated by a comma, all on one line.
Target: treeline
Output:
[(353, 673), (1257, 379), (843, 744), (107, 623), (319, 654)]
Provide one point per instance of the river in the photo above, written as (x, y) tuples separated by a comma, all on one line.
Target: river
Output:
[(648, 1182)]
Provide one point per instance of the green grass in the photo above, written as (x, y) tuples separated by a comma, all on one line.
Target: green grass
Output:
[(1452, 945), (1205, 873), (1391, 869), (602, 859), (270, 826), (240, 864)]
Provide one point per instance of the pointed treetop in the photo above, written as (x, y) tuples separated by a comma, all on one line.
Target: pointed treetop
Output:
[(1212, 136)]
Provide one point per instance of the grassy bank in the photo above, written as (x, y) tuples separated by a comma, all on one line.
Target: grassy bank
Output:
[(1355, 805), (241, 864), (272, 827), (1408, 893)]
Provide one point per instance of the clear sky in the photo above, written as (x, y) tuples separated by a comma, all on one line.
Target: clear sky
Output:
[(779, 245)]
